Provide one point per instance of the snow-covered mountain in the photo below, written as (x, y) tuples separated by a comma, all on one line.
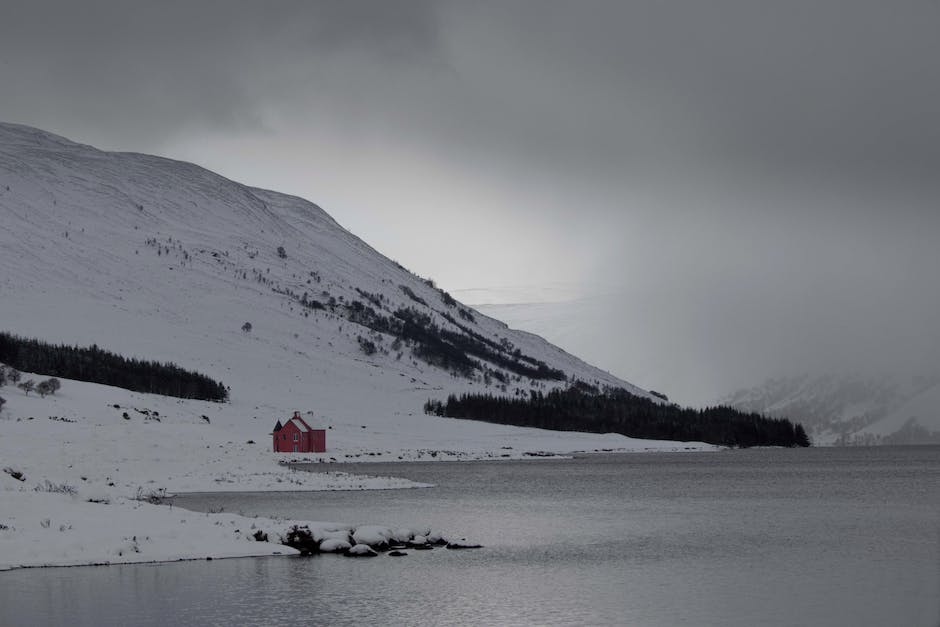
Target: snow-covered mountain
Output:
[(164, 260), (851, 409)]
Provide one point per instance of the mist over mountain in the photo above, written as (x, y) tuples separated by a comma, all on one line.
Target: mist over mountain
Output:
[(844, 385)]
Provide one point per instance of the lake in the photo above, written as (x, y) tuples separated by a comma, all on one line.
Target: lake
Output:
[(827, 536)]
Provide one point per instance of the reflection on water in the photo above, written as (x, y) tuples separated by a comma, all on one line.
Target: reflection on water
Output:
[(770, 537)]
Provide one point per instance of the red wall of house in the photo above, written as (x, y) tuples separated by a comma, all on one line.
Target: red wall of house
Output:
[(318, 441), (313, 441), (284, 439)]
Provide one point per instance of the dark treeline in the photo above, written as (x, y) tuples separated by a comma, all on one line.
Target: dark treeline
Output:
[(95, 365), (445, 348), (618, 411), (453, 348)]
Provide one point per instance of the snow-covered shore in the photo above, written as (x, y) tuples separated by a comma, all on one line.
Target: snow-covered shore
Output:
[(43, 529), (63, 530), (78, 469)]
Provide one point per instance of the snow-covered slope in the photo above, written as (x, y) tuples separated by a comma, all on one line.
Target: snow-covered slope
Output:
[(916, 421), (164, 260), (848, 409)]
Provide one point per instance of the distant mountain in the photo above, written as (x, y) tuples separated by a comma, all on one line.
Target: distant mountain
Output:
[(851, 410), (163, 260), (846, 409)]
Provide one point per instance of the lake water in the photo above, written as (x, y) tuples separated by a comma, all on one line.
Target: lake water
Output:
[(755, 537)]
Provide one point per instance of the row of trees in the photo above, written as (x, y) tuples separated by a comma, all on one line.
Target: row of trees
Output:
[(618, 411), (96, 365), (14, 376), (446, 345), (447, 349)]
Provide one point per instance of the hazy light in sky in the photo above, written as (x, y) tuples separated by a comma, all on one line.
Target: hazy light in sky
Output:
[(756, 182)]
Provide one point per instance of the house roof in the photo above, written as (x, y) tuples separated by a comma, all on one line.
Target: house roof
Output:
[(300, 424)]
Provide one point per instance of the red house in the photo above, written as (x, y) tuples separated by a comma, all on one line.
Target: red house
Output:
[(296, 436)]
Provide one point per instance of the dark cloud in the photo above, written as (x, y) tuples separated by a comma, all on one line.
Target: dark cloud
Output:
[(800, 88), (141, 71), (769, 167)]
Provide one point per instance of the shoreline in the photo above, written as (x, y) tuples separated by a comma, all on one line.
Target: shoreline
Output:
[(79, 467), (29, 539)]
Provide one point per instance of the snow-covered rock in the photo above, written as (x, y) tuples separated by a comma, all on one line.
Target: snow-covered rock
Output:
[(361, 550), (463, 543), (334, 545), (402, 535), (373, 535)]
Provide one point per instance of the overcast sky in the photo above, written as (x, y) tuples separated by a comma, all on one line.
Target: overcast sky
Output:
[(758, 183)]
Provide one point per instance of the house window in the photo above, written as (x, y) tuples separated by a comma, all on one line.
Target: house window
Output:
[(295, 437)]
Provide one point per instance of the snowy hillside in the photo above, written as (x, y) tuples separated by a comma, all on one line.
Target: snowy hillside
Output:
[(850, 409), (164, 260)]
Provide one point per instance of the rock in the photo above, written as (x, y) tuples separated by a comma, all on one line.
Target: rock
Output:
[(334, 545), (361, 550), (338, 533), (423, 547), (15, 474), (375, 536), (463, 543), (401, 536), (301, 538), (436, 538), (397, 554)]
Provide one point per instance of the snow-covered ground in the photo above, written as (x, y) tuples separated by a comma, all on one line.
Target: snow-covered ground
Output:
[(161, 260), (49, 529), (82, 468)]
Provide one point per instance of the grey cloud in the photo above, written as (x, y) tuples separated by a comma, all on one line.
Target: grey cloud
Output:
[(642, 89), (140, 71), (769, 167)]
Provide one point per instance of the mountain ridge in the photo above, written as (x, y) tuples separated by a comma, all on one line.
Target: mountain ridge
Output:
[(126, 241)]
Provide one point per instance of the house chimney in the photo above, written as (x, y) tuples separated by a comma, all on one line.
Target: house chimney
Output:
[(296, 414)]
